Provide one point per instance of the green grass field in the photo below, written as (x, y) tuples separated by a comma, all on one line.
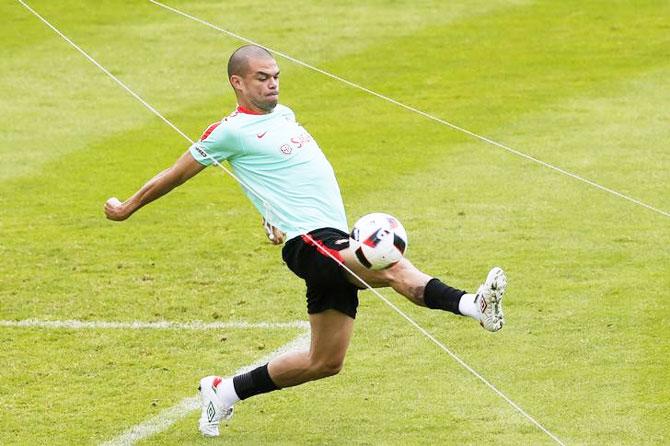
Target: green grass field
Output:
[(580, 85)]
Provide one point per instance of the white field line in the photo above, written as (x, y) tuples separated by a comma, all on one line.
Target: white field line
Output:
[(168, 417), (419, 112), (405, 316), (160, 325)]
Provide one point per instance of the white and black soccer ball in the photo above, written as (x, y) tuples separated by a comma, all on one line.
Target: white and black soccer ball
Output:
[(378, 240)]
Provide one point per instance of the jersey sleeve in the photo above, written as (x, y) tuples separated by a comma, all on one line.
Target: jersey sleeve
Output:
[(217, 142)]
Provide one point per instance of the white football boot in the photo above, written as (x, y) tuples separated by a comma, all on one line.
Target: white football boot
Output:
[(213, 409), (489, 300)]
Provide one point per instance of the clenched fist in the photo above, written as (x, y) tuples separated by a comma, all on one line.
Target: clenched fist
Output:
[(275, 235), (115, 210)]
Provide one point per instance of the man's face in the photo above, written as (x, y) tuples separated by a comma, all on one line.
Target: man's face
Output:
[(260, 85)]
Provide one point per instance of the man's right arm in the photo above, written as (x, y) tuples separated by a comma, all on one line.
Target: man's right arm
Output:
[(183, 169)]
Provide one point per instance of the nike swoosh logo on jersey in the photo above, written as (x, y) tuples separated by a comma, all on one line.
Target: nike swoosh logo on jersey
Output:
[(260, 135)]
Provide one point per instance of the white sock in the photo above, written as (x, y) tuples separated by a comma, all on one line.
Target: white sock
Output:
[(227, 392), (468, 307)]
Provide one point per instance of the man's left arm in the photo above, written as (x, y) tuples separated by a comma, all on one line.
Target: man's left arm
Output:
[(182, 170)]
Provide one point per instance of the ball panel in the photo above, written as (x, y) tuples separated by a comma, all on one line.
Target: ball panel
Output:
[(361, 258), (399, 243)]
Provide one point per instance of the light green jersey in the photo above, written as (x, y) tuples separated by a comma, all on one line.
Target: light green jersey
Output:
[(292, 183)]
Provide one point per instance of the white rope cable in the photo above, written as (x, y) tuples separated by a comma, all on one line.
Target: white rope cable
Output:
[(419, 112), (379, 295)]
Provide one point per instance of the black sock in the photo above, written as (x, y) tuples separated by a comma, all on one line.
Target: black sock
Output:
[(253, 383), (439, 295)]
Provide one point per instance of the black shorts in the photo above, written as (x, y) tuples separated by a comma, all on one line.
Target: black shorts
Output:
[(327, 284)]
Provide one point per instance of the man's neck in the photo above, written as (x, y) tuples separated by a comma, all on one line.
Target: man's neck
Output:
[(250, 109), (243, 109)]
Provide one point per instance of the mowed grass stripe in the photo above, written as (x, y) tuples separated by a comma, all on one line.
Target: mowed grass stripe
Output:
[(489, 82)]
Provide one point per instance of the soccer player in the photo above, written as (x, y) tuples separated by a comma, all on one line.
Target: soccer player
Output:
[(293, 186)]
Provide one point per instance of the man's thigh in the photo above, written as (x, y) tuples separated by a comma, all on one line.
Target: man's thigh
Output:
[(331, 332), (376, 279)]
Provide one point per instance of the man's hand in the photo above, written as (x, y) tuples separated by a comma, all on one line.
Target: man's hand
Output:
[(275, 235), (115, 210)]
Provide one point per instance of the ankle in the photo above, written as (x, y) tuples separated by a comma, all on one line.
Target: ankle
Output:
[(468, 306), (438, 295)]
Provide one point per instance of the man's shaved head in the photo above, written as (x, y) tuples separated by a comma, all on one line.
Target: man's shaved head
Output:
[(238, 63), (254, 75)]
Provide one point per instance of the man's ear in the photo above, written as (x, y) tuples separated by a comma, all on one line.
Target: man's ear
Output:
[(236, 82)]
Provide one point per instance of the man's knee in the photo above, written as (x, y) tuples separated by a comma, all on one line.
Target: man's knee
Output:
[(330, 367), (399, 273)]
